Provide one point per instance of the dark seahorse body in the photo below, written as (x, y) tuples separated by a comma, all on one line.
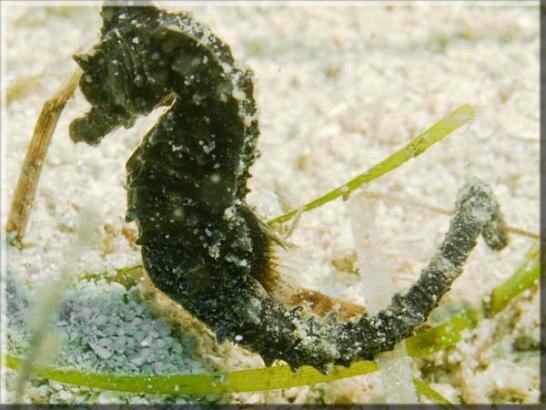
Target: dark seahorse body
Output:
[(201, 243)]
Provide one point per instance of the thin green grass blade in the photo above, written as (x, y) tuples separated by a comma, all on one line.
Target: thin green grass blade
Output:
[(271, 378), (425, 390), (459, 117), (525, 277)]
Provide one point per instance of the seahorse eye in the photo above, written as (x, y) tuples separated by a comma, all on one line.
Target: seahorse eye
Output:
[(91, 84)]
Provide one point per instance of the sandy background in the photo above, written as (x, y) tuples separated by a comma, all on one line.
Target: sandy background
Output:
[(339, 89)]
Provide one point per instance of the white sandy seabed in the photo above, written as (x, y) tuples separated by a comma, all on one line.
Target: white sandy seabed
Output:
[(340, 87)]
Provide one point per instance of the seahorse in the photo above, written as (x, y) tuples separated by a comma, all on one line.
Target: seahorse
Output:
[(201, 243)]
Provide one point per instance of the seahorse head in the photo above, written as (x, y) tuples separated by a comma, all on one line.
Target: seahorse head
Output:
[(123, 75), (148, 57)]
